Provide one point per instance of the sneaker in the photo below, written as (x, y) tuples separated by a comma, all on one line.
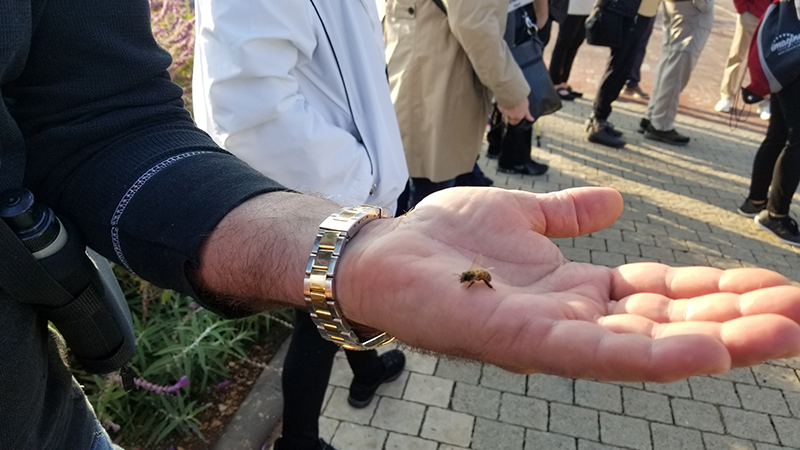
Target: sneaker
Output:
[(635, 92), (670, 137), (750, 209), (784, 228), (529, 168), (644, 125), (361, 394), (764, 111), (724, 105), (599, 132)]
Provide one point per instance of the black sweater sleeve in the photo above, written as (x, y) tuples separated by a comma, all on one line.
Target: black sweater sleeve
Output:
[(109, 145)]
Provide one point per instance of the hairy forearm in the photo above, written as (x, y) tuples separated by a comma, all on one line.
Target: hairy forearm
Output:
[(256, 256)]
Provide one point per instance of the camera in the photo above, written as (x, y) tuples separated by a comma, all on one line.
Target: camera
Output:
[(89, 310)]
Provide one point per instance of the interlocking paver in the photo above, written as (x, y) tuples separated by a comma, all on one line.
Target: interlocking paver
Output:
[(398, 415), (596, 395), (770, 401), (404, 442), (539, 440), (496, 378), (550, 387), (777, 377), (788, 430), (447, 426), (699, 415), (720, 442), (574, 421), (458, 370), (625, 431), (668, 437), (428, 390), (476, 400), (525, 411), (646, 405), (712, 390), (358, 437), (748, 425), (493, 435)]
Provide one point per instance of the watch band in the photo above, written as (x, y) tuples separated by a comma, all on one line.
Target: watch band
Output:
[(318, 284)]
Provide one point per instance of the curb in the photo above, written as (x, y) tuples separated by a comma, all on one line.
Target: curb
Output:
[(260, 412)]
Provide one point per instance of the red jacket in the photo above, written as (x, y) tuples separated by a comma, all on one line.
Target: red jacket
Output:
[(754, 7)]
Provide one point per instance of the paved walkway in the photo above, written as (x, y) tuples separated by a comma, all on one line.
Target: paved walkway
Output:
[(679, 209)]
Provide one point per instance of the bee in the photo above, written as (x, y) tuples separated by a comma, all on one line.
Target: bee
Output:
[(476, 273)]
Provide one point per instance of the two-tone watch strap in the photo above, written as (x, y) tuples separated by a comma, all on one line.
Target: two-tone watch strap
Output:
[(319, 287)]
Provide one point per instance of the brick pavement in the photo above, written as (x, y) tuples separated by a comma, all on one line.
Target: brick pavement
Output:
[(679, 209)]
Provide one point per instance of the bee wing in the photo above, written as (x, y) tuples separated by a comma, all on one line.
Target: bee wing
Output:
[(476, 262)]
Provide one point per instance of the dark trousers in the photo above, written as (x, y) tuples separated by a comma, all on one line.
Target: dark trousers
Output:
[(571, 34), (777, 161), (511, 142), (306, 371), (636, 71), (419, 188), (619, 66)]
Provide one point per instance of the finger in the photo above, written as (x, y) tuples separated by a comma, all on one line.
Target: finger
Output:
[(529, 117), (514, 120), (589, 350), (575, 212), (748, 340), (718, 307), (687, 282)]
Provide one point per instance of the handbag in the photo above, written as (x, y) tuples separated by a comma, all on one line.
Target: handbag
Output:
[(605, 26), (543, 98), (774, 58)]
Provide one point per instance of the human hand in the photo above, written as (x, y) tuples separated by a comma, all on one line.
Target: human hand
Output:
[(642, 321), (517, 113)]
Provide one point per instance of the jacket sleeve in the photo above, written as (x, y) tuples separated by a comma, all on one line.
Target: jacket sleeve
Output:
[(741, 6), (110, 146), (249, 98), (476, 26)]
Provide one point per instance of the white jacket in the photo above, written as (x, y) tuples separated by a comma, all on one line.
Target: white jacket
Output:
[(298, 90)]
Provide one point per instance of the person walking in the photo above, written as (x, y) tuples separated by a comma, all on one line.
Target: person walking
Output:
[(748, 13), (571, 34), (776, 168)]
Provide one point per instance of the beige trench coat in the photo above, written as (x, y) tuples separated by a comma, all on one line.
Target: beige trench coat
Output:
[(443, 72)]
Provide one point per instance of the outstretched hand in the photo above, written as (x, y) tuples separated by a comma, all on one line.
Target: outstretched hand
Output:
[(641, 321)]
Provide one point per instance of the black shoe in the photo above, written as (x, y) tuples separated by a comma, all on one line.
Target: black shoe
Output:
[(644, 125), (575, 94), (361, 394), (324, 445), (784, 228), (493, 152), (613, 130), (670, 137), (529, 168), (750, 209), (565, 94), (598, 131)]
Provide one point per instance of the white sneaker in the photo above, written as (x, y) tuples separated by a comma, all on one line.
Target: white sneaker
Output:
[(763, 110), (724, 105)]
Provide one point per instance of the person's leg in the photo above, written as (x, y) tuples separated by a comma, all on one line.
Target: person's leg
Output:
[(578, 23), (474, 178), (658, 80), (786, 176), (306, 371), (737, 56), (568, 32), (689, 33), (767, 155), (370, 371), (515, 156), (544, 32), (635, 75), (420, 188), (617, 69)]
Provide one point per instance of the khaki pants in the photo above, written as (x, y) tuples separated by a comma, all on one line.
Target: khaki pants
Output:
[(737, 58), (687, 26)]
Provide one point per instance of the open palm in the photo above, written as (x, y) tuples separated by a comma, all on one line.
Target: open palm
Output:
[(636, 322)]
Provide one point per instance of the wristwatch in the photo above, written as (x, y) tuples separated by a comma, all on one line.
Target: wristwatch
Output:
[(319, 283)]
